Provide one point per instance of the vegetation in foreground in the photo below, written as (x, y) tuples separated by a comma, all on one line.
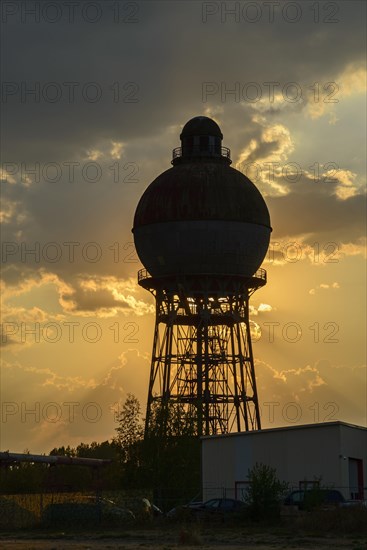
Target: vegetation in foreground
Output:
[(165, 469), (167, 466)]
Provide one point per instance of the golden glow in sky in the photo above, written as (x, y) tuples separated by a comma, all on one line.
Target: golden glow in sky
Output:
[(289, 97)]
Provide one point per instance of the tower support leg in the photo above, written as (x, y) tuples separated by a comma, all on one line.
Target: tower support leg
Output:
[(202, 377)]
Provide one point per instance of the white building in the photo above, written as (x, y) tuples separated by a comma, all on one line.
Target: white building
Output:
[(333, 452)]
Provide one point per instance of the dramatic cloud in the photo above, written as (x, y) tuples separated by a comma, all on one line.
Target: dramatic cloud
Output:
[(313, 393), (52, 408), (91, 113)]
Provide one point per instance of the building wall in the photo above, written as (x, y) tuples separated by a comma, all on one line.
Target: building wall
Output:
[(353, 445), (298, 453)]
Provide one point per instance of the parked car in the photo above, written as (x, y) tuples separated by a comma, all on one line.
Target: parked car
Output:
[(222, 505), (70, 513), (86, 510), (185, 510), (112, 511), (213, 507), (312, 498)]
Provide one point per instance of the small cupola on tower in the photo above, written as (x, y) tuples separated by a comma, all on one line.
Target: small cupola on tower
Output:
[(201, 138)]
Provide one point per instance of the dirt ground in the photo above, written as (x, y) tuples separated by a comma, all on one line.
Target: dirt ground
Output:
[(181, 538)]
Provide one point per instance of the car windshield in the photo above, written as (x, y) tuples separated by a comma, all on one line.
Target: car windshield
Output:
[(227, 504), (297, 496), (213, 503)]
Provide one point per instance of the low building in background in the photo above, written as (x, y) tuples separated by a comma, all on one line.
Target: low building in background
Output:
[(331, 454)]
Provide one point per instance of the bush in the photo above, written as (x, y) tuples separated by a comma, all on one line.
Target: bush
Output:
[(264, 493)]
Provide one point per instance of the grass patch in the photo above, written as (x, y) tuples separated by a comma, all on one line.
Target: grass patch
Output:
[(189, 536), (341, 521)]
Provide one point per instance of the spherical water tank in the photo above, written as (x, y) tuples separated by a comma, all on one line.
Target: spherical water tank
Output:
[(201, 216)]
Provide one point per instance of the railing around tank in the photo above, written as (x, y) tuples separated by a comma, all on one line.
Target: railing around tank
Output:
[(197, 151), (143, 274), (259, 274)]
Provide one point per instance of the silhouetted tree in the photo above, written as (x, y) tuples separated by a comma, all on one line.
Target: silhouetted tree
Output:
[(167, 461), (172, 457), (130, 429), (63, 451)]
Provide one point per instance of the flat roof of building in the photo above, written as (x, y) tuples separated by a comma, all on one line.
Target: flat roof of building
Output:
[(336, 423)]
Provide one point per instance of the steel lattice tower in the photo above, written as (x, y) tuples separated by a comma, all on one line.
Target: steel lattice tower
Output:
[(202, 230)]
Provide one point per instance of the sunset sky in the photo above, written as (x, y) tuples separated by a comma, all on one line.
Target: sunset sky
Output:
[(93, 102)]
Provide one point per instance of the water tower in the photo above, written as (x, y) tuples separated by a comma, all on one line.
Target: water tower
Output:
[(202, 230)]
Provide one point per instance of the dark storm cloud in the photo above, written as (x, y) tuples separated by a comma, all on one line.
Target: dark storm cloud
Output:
[(323, 215), (161, 64), (166, 63), (331, 205), (91, 301)]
